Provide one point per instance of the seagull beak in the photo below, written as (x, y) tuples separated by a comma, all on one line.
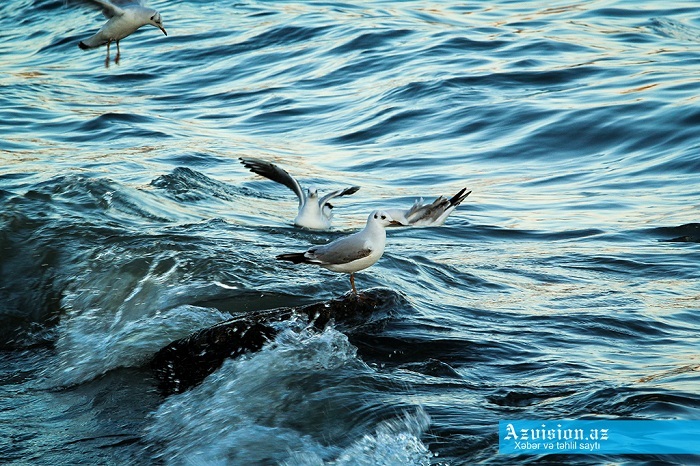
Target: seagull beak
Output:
[(396, 223), (163, 29)]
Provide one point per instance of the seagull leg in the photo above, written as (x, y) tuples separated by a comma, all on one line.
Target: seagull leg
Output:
[(116, 60), (352, 283), (107, 59)]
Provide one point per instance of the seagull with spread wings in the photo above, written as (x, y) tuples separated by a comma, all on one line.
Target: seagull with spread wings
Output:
[(125, 17), (315, 213)]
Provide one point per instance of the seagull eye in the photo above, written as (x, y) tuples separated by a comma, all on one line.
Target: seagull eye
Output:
[(383, 217), (375, 215)]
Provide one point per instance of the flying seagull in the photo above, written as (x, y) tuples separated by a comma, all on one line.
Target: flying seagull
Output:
[(125, 17), (349, 254), (315, 213), (433, 214)]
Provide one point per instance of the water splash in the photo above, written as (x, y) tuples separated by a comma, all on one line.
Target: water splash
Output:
[(87, 348), (291, 403)]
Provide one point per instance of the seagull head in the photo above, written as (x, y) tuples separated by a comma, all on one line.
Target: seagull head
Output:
[(312, 193), (382, 218), (157, 21)]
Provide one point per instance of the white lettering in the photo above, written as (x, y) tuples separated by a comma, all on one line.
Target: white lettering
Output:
[(527, 446)]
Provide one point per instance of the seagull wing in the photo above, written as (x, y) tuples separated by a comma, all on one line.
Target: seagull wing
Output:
[(341, 251), (424, 212), (341, 192), (274, 173), (452, 205), (109, 9), (436, 212), (128, 2), (459, 197)]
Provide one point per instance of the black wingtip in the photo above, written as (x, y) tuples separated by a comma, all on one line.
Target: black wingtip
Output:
[(459, 197), (349, 191), (82, 45), (247, 161), (254, 164)]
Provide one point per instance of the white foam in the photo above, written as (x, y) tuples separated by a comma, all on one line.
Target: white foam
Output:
[(393, 443), (295, 402), (122, 315), (89, 344)]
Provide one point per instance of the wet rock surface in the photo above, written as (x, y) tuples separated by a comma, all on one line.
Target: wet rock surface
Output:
[(187, 362)]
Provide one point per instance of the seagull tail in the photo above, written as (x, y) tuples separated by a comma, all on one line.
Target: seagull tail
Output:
[(90, 43), (295, 258)]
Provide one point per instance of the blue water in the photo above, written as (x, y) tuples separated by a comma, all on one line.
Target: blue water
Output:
[(554, 291)]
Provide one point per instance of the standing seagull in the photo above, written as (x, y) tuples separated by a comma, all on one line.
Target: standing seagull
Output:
[(314, 213), (434, 214), (125, 17), (351, 253)]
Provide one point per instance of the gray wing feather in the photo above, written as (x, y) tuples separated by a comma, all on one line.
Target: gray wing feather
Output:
[(341, 192), (274, 173), (340, 251), (110, 8), (435, 210), (128, 2), (421, 211)]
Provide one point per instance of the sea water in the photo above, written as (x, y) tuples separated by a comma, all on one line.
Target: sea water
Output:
[(565, 286)]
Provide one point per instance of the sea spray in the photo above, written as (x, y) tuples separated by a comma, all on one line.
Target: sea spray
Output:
[(301, 400)]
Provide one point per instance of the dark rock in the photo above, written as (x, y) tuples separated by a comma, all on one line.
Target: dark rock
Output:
[(688, 233), (187, 362)]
